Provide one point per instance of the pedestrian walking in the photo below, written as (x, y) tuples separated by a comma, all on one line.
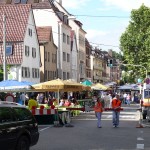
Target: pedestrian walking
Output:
[(116, 105), (128, 99), (98, 108), (107, 100)]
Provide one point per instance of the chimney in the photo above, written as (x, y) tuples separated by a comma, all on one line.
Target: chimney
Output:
[(60, 2)]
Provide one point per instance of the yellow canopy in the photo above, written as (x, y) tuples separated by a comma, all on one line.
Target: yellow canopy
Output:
[(99, 86), (58, 85), (84, 87)]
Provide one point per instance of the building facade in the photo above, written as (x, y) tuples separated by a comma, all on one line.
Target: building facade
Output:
[(48, 51), (22, 47)]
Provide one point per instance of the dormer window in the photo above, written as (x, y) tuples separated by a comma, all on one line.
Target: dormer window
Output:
[(17, 1), (23, 1), (30, 32)]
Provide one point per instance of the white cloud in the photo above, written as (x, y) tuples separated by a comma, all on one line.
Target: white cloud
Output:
[(92, 33), (126, 5)]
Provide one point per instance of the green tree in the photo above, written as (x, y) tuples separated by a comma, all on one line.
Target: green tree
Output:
[(135, 41), (117, 55)]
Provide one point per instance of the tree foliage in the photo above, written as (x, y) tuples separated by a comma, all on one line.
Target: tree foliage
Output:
[(117, 55), (135, 41)]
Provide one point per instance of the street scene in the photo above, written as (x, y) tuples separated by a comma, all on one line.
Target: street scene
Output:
[(86, 136), (74, 75)]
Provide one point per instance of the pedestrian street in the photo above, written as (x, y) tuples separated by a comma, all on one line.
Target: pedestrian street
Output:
[(128, 113)]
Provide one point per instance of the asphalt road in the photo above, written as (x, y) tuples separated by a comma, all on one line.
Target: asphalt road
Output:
[(86, 136)]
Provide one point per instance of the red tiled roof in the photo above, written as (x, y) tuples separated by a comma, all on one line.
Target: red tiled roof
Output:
[(16, 57), (44, 33), (16, 23)]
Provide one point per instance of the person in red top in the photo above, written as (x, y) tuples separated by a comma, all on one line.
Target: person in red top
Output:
[(116, 105), (98, 108)]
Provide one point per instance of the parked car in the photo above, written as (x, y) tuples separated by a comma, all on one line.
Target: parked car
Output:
[(18, 127)]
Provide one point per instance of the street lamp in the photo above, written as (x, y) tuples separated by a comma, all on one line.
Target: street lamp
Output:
[(4, 48)]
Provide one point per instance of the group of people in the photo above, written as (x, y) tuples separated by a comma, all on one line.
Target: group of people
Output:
[(115, 106), (128, 97), (107, 101)]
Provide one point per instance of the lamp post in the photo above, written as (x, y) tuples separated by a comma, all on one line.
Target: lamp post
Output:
[(59, 73), (4, 48)]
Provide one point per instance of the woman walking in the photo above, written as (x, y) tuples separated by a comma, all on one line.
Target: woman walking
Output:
[(98, 108)]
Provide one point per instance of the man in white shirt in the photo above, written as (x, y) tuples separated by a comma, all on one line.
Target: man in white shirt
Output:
[(107, 100)]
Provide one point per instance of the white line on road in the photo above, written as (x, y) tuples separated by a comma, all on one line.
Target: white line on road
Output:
[(140, 146), (140, 139), (44, 129)]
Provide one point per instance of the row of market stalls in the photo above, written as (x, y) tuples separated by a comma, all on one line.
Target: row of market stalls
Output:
[(53, 85), (97, 86), (57, 86)]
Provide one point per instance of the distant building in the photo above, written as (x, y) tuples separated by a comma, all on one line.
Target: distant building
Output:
[(48, 51)]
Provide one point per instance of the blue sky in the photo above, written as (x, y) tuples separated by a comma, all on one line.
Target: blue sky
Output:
[(103, 31)]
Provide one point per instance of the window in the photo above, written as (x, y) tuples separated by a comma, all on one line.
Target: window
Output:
[(23, 1), (64, 37), (17, 1), (49, 75), (64, 56), (22, 114), (30, 32), (45, 56), (9, 50), (45, 75), (64, 75), (68, 41), (5, 115), (68, 75), (53, 58), (48, 56), (81, 40), (35, 73), (33, 52), (68, 58), (26, 50), (25, 72)]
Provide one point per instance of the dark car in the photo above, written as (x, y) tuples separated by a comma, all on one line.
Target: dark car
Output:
[(18, 127)]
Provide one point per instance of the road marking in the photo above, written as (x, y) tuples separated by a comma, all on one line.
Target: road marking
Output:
[(140, 139), (140, 146), (44, 129)]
